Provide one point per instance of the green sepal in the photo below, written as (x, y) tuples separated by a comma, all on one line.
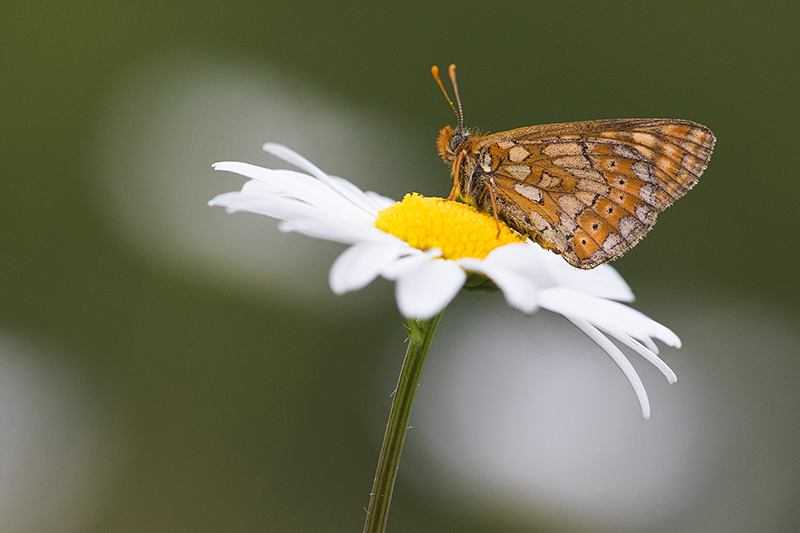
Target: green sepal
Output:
[(479, 282)]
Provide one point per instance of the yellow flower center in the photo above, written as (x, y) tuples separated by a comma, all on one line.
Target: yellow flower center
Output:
[(458, 230)]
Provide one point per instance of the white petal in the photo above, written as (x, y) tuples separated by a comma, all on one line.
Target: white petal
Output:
[(427, 289), (339, 231), (619, 358), (366, 200), (349, 191), (357, 266), (520, 289), (225, 199), (521, 257), (280, 179), (648, 354), (303, 218), (403, 265), (260, 188), (606, 314), (300, 186), (292, 157), (602, 282), (381, 202), (647, 342)]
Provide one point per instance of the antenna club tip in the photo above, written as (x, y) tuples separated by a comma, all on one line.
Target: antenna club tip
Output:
[(452, 68), (457, 111)]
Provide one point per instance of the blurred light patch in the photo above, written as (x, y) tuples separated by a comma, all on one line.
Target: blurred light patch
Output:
[(57, 460), (525, 417), (168, 120)]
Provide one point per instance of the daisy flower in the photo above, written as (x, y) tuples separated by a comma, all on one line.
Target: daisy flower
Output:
[(432, 248)]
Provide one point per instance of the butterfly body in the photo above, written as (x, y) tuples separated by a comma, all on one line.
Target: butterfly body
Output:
[(585, 190)]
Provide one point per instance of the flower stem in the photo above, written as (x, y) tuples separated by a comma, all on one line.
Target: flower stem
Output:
[(420, 336)]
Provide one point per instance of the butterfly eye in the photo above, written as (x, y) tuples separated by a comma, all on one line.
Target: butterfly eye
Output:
[(457, 140)]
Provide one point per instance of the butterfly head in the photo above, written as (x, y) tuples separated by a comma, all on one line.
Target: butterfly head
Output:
[(451, 141)]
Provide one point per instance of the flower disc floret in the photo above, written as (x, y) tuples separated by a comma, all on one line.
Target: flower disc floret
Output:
[(457, 229)]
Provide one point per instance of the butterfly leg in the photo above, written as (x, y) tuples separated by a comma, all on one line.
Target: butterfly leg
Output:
[(494, 207), (456, 171), (454, 192)]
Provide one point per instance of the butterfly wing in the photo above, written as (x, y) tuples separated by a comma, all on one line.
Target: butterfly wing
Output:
[(591, 190)]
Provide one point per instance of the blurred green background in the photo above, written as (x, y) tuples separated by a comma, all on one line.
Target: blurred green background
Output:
[(159, 374)]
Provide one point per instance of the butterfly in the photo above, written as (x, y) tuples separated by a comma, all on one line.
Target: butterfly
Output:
[(585, 190)]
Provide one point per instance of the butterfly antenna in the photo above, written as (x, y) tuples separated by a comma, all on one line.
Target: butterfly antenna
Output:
[(458, 98), (435, 72)]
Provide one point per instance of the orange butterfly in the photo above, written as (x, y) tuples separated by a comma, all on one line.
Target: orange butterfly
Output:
[(585, 190)]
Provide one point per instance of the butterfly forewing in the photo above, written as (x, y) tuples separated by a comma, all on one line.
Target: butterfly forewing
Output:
[(587, 190)]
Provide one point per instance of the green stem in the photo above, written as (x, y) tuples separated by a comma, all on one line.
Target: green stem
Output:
[(420, 336)]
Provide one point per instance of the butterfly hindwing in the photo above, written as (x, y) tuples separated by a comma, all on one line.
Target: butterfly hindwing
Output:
[(590, 190)]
